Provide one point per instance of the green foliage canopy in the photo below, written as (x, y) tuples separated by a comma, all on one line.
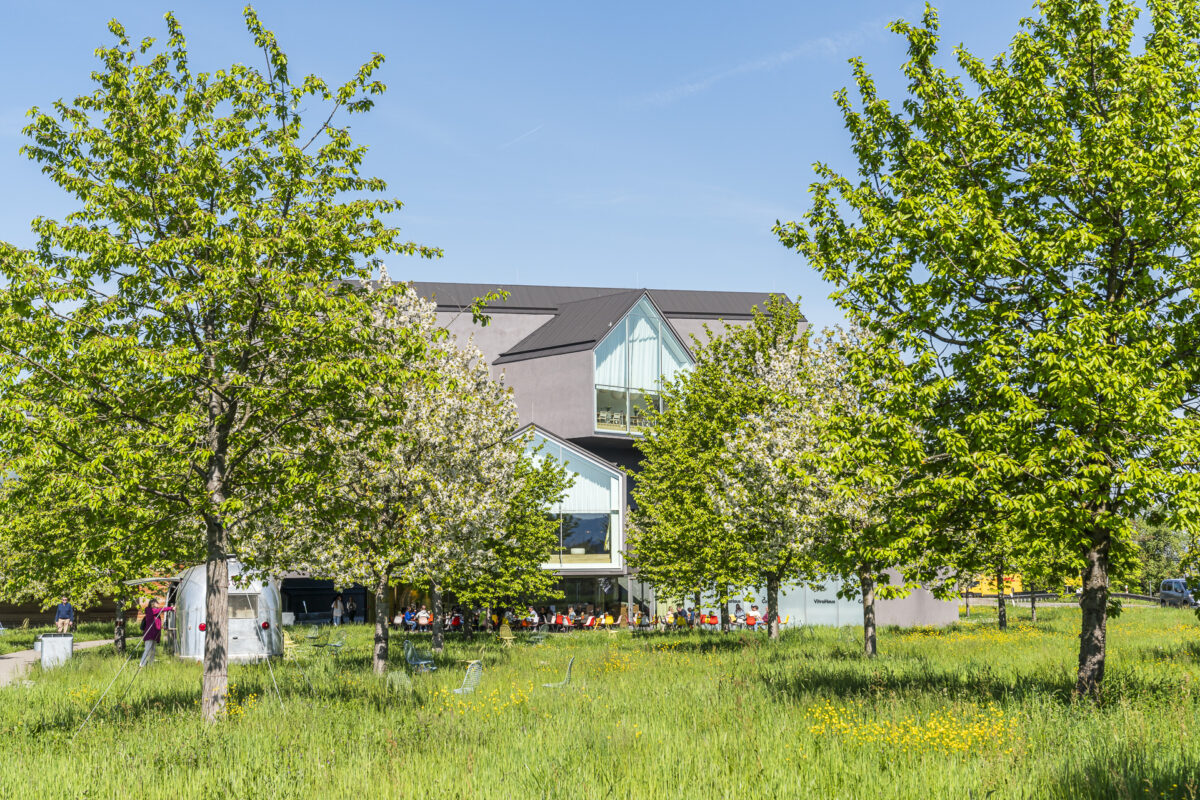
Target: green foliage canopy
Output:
[(1029, 231), (171, 351)]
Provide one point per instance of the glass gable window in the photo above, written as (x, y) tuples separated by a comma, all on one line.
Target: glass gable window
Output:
[(632, 362), (589, 515)]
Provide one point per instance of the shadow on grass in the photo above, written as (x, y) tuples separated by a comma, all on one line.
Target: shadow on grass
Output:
[(1127, 773), (1183, 653), (853, 676)]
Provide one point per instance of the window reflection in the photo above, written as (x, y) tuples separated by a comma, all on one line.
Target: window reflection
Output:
[(631, 364), (589, 513)]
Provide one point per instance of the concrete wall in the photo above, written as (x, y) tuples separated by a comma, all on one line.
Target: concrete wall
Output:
[(687, 327), (919, 608), (504, 330), (809, 607), (556, 392)]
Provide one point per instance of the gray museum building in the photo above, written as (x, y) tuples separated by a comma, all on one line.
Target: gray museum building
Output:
[(584, 364)]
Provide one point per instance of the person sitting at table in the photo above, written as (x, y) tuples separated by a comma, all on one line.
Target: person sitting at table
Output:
[(456, 619), (739, 614), (410, 618), (423, 619), (681, 618), (572, 617), (757, 615)]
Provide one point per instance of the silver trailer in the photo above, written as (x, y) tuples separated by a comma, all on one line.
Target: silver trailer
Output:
[(255, 614)]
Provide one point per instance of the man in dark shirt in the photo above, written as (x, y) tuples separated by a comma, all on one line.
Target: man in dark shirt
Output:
[(64, 616)]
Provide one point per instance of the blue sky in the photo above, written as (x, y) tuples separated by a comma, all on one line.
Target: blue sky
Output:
[(616, 144)]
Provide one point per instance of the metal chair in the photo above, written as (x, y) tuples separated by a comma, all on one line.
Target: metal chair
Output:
[(506, 634), (398, 682), (471, 679), (565, 681), (420, 662)]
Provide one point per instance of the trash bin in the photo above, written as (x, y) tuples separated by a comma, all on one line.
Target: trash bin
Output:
[(37, 644), (56, 648)]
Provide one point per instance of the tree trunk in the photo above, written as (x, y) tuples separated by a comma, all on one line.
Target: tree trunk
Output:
[(382, 611), (1033, 605), (725, 616), (436, 592), (967, 597), (773, 607), (1000, 609), (215, 685), (1095, 620), (119, 629), (870, 645)]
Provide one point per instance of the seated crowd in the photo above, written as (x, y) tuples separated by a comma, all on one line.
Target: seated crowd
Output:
[(586, 617)]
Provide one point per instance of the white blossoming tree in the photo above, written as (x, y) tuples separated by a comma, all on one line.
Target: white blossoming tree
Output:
[(769, 490), (427, 473), (815, 479)]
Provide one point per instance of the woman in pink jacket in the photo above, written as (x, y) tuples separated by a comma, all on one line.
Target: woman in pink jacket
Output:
[(152, 630)]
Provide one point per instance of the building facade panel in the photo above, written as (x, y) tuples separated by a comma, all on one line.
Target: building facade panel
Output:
[(555, 392), (501, 332)]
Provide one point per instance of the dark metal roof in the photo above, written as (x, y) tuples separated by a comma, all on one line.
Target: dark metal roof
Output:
[(577, 326), (691, 303)]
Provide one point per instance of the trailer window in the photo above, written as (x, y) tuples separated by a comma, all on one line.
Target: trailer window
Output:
[(243, 606)]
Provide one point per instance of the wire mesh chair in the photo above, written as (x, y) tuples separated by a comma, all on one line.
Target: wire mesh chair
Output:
[(420, 662), (565, 681), (398, 682), (471, 679)]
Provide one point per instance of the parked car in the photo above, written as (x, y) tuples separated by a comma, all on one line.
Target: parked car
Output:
[(1175, 592)]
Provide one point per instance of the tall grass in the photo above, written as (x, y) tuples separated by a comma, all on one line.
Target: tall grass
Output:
[(14, 639), (961, 712)]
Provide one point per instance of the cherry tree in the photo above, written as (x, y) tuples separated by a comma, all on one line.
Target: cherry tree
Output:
[(427, 472)]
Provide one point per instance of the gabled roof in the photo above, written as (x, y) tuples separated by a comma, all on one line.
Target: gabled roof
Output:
[(524, 299), (586, 455), (581, 325), (577, 326)]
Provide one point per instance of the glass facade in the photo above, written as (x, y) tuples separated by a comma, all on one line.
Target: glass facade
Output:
[(589, 515), (632, 362)]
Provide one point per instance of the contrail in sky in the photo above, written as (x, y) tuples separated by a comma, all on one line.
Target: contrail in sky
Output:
[(822, 46), (524, 135)]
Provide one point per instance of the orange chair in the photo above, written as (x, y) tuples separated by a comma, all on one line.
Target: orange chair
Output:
[(751, 621)]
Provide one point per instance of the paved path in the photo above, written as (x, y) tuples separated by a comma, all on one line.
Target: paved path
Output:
[(12, 665)]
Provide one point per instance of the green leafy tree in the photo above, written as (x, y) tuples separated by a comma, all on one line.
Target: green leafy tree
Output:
[(1160, 551), (676, 533), (817, 478), (171, 352), (870, 448), (527, 539), (1028, 231)]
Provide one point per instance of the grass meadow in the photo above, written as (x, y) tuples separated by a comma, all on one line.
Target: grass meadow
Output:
[(15, 638), (963, 712)]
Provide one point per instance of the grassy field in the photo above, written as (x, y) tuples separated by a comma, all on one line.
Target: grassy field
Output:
[(965, 712), (22, 638)]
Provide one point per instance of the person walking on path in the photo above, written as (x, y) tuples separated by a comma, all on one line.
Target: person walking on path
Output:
[(64, 616), (151, 631), (339, 608)]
